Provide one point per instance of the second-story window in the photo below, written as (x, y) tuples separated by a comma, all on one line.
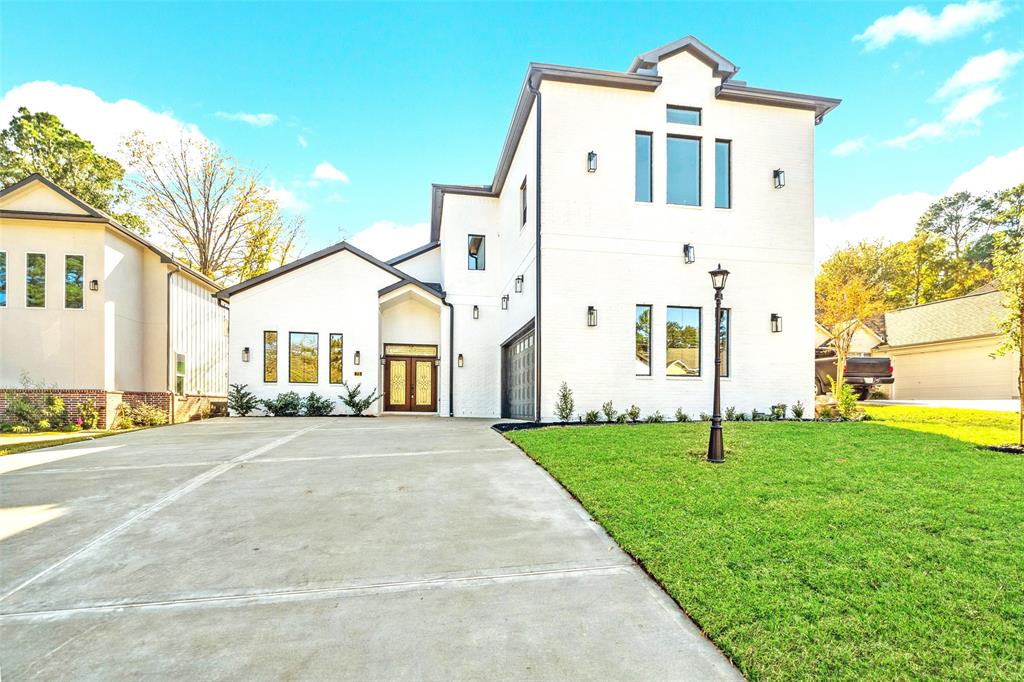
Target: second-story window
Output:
[(35, 280), (643, 167), (477, 252), (686, 115), (74, 279), (723, 174), (522, 203), (683, 156)]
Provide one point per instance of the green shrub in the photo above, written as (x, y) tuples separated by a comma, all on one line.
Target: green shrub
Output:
[(242, 401), (138, 414), (71, 428), (826, 413), (846, 399), (705, 417), (798, 410), (779, 411), (88, 413), (20, 428), (656, 418), (318, 405), (681, 416), (621, 419), (21, 411), (565, 405), (54, 411), (591, 416), (352, 401), (730, 413), (633, 414), (43, 424), (287, 404), (609, 411), (742, 417)]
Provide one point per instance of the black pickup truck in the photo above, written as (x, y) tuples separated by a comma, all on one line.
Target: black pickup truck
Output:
[(861, 373)]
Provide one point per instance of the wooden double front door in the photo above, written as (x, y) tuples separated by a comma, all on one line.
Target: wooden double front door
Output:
[(410, 384)]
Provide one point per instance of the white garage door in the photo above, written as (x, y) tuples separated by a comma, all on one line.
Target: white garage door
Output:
[(962, 371)]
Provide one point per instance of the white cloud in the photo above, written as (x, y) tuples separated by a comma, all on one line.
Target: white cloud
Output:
[(894, 218), (256, 120), (986, 68), (302, 142), (923, 131), (286, 199), (919, 24), (101, 122), (968, 109), (848, 147), (385, 239), (326, 171)]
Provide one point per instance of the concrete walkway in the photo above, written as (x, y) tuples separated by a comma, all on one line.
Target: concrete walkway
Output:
[(391, 548)]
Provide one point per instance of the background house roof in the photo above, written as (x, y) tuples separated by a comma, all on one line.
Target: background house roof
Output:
[(974, 315)]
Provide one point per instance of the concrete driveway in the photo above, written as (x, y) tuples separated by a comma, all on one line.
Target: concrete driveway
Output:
[(390, 548)]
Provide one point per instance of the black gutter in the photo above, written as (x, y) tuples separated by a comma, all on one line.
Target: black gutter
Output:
[(451, 357), (535, 89)]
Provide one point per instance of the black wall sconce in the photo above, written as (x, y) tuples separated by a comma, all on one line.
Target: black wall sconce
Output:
[(461, 361), (356, 358), (245, 354), (519, 284), (591, 316), (383, 361), (476, 312), (504, 302), (94, 285), (689, 253), (776, 323), (779, 176), (592, 162)]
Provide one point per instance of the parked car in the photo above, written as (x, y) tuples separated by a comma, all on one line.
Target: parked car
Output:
[(862, 373)]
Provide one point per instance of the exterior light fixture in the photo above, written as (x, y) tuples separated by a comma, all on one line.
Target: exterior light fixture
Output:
[(779, 176), (519, 284), (689, 253), (476, 312), (356, 358), (716, 449), (245, 354), (776, 323), (461, 361), (504, 302), (592, 162), (94, 285), (383, 361), (591, 316)]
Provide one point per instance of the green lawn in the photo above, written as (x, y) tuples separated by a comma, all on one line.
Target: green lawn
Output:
[(11, 443), (974, 426), (838, 551)]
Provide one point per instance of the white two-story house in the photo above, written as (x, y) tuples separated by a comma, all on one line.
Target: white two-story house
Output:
[(585, 260)]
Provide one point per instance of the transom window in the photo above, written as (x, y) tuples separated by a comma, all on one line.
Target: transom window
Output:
[(303, 352), (685, 115), (477, 252), (682, 342), (643, 340), (74, 281)]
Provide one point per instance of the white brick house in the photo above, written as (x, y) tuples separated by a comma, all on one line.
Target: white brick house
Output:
[(569, 265)]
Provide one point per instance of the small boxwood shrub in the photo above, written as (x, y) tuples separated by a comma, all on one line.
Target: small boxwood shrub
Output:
[(318, 405), (798, 409), (633, 414), (591, 416), (287, 404), (609, 411)]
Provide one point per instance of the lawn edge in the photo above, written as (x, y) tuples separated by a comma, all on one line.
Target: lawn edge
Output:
[(20, 448), (732, 659)]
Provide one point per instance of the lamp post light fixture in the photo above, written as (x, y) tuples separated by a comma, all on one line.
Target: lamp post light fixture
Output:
[(461, 361), (592, 162), (476, 312), (591, 316), (689, 253), (504, 302), (519, 284), (716, 450), (94, 285), (356, 358), (776, 323), (779, 176), (245, 354)]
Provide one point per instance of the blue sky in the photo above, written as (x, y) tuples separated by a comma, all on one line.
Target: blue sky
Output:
[(396, 96)]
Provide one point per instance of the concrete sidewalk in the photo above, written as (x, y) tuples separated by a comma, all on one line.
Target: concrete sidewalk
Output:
[(399, 548)]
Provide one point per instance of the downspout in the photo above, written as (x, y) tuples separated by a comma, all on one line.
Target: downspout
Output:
[(535, 89), (451, 356), (167, 357)]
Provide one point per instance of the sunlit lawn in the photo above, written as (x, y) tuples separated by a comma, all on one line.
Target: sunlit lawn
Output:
[(10, 443), (820, 551), (974, 426)]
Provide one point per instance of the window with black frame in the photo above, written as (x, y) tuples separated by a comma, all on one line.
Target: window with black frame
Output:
[(682, 342), (724, 340), (303, 352), (643, 340), (477, 252), (270, 357), (336, 359)]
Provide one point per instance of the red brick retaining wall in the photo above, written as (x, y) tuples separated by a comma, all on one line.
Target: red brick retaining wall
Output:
[(185, 408)]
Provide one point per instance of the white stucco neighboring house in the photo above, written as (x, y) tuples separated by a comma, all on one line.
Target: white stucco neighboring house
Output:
[(91, 310), (584, 260)]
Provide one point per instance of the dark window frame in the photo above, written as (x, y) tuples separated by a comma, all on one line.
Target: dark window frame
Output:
[(727, 351), (29, 255), (330, 358), (700, 169), (650, 338), (728, 175), (316, 364), (650, 167), (679, 107), (481, 260), (277, 355), (523, 203), (66, 257), (700, 341)]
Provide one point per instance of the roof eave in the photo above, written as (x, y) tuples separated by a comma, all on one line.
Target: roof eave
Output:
[(733, 92)]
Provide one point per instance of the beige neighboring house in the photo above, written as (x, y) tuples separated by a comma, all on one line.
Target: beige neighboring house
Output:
[(863, 342), (91, 310), (943, 350)]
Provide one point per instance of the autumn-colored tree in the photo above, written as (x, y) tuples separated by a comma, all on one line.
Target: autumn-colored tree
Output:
[(1008, 276), (844, 300)]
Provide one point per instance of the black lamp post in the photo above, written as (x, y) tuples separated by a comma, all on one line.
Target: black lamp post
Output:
[(716, 450)]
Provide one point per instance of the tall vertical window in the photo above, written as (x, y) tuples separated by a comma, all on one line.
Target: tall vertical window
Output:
[(686, 115), (723, 340), (477, 252), (723, 174), (179, 374), (269, 357), (643, 340), (643, 167), (522, 202), (74, 281), (336, 349), (3, 279), (35, 280), (303, 350), (682, 342), (683, 170)]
